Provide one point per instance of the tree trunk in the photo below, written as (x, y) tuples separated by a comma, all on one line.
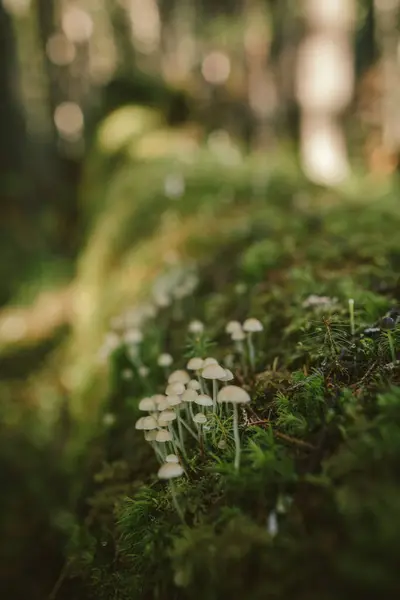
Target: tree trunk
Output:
[(12, 126), (324, 87)]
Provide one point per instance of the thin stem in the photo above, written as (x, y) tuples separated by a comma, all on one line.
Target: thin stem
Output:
[(157, 451), (215, 392), (252, 358), (171, 430), (175, 502), (190, 430), (236, 436), (191, 411), (352, 321), (201, 381), (181, 440)]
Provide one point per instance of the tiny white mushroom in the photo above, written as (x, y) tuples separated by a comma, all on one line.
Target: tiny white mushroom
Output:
[(196, 327), (167, 416), (193, 385), (195, 364), (175, 388), (169, 471), (251, 326), (179, 376), (164, 360), (150, 436), (163, 436), (200, 419), (172, 458), (149, 423), (204, 400), (213, 372), (235, 395), (147, 404), (189, 396), (174, 400), (233, 326), (228, 376), (140, 423), (209, 361)]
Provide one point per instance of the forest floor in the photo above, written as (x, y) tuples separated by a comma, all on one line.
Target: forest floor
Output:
[(312, 510)]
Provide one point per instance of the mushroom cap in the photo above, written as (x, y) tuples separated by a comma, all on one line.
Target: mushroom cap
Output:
[(238, 335), (209, 361), (147, 404), (167, 415), (233, 326), (252, 325), (195, 364), (172, 458), (196, 326), (228, 375), (174, 400), (163, 436), (200, 419), (164, 404), (214, 371), (139, 423), (179, 376), (170, 470), (204, 400), (158, 398), (189, 396), (193, 385), (149, 423), (233, 394), (164, 360), (175, 388), (150, 436)]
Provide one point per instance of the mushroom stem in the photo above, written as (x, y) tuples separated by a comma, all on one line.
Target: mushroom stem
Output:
[(181, 440), (175, 502), (240, 351), (236, 436), (174, 444), (252, 354), (190, 430), (215, 392), (201, 382), (158, 452)]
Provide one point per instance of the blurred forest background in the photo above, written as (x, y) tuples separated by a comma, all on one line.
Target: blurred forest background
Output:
[(310, 83)]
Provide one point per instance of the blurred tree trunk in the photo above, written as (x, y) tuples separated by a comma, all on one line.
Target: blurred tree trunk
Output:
[(286, 36), (387, 35), (12, 126), (45, 14), (324, 86), (120, 21)]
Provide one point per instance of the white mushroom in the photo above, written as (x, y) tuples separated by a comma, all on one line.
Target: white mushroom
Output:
[(213, 372), (234, 395), (209, 361), (179, 376), (175, 388), (233, 326), (228, 376), (165, 360), (163, 436), (196, 327), (195, 364), (174, 400), (193, 385), (149, 423), (204, 400), (251, 326), (147, 404), (200, 419), (172, 458), (168, 471)]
